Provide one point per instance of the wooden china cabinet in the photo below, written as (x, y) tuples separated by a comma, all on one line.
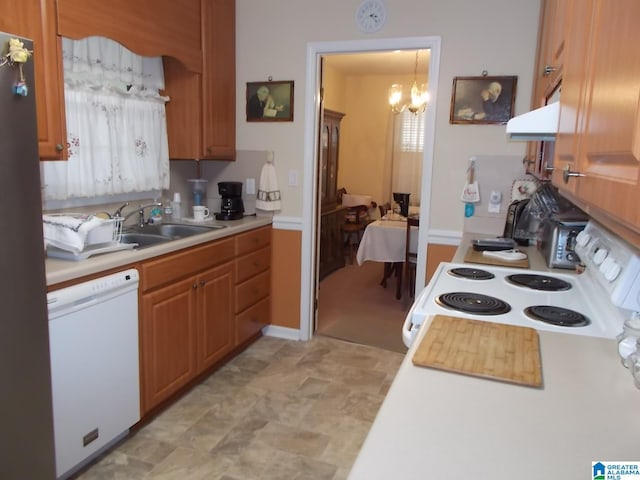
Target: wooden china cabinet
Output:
[(331, 214)]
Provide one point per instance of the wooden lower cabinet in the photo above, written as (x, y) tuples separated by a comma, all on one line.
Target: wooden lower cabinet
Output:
[(196, 306), (168, 341), (186, 327), (252, 320), (186, 317), (253, 283), (215, 315)]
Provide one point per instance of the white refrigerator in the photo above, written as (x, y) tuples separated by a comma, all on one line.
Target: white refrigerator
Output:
[(26, 422)]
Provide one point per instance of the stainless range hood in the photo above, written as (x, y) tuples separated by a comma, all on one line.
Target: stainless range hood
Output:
[(539, 124)]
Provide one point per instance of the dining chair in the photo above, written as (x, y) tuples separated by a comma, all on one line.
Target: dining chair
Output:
[(410, 258), (384, 208), (352, 228)]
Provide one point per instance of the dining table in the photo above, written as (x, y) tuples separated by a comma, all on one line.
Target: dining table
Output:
[(384, 241)]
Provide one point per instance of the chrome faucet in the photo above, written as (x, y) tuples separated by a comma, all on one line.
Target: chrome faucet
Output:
[(118, 212), (140, 212)]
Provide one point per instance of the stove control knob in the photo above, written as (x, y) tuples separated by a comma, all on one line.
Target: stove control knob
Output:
[(612, 272), (600, 255), (583, 238), (606, 263)]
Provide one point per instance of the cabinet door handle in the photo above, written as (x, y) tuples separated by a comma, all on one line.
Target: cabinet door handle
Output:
[(202, 283), (548, 70), (567, 174), (59, 147), (195, 286)]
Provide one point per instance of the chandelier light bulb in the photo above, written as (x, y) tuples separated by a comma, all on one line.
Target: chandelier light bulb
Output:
[(395, 97), (419, 95)]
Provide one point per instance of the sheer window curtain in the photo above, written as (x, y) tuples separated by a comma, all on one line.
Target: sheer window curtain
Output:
[(405, 147), (116, 123)]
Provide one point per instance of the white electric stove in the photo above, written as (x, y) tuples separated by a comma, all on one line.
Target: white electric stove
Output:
[(594, 303)]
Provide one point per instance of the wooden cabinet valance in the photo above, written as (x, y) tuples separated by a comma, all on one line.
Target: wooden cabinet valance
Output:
[(146, 27)]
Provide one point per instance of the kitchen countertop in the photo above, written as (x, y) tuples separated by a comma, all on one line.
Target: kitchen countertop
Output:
[(536, 261), (58, 271), (435, 424)]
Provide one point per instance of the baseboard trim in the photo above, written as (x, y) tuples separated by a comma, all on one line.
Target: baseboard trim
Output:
[(281, 332), (445, 237)]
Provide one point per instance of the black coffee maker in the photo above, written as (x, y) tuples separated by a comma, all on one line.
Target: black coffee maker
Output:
[(402, 199), (231, 206)]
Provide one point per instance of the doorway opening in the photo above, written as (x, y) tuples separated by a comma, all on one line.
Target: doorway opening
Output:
[(310, 232)]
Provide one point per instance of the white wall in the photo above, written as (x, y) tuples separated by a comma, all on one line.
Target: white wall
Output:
[(498, 36)]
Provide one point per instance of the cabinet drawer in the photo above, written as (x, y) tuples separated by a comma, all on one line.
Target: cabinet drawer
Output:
[(253, 240), (177, 265), (254, 289), (251, 321), (252, 264)]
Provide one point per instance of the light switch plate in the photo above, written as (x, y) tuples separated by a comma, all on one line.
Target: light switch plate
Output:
[(293, 178), (250, 186)]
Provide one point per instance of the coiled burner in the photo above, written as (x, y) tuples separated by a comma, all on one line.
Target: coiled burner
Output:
[(561, 317), (474, 303), (471, 273), (539, 282)]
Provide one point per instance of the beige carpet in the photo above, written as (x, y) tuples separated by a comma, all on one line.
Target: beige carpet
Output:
[(352, 306)]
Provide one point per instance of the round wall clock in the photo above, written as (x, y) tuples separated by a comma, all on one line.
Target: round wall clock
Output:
[(371, 15)]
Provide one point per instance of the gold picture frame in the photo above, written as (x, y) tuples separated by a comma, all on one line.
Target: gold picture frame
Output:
[(483, 100), (270, 101)]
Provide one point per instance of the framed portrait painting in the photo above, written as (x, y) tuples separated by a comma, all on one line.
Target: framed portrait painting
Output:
[(482, 100), (270, 101)]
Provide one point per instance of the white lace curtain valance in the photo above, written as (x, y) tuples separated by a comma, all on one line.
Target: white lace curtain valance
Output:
[(116, 123)]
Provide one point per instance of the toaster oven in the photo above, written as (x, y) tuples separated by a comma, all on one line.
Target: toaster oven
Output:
[(556, 241)]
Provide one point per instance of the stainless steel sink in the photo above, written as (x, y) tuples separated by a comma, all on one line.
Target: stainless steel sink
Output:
[(164, 232), (174, 230), (144, 239)]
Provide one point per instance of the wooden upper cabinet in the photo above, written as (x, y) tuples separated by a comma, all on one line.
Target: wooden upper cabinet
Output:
[(35, 19), (219, 79), (610, 152), (598, 147), (201, 115), (146, 27), (572, 109), (551, 49)]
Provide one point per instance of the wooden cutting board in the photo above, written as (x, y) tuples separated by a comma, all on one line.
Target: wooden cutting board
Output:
[(482, 349), (475, 256)]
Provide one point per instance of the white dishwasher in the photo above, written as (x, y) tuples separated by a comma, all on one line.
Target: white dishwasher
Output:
[(93, 341)]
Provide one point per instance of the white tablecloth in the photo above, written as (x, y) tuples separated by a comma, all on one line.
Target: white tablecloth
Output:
[(384, 240)]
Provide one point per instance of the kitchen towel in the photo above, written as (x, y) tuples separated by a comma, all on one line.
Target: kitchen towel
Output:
[(68, 232), (268, 197)]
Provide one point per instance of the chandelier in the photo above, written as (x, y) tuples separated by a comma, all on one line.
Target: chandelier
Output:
[(419, 95)]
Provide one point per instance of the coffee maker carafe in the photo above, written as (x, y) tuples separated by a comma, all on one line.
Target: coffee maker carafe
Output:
[(231, 206)]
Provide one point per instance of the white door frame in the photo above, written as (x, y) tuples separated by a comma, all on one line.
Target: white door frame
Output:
[(310, 196)]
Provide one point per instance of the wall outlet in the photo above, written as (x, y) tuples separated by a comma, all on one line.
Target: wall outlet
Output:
[(250, 186), (494, 201)]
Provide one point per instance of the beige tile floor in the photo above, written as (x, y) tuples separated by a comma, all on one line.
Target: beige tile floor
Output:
[(280, 410)]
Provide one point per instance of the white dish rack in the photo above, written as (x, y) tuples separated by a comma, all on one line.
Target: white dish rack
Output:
[(103, 238), (110, 231)]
